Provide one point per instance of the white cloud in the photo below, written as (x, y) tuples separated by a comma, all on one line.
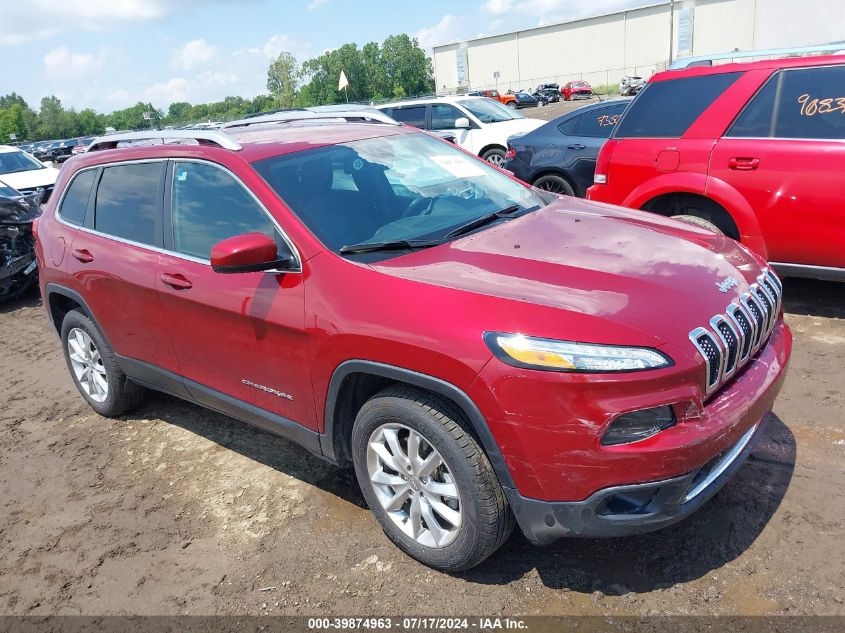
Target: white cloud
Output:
[(497, 7), (448, 29), (32, 20), (166, 92), (194, 54), (316, 4), (64, 63)]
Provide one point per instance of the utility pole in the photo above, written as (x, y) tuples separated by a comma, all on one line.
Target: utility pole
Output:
[(671, 29)]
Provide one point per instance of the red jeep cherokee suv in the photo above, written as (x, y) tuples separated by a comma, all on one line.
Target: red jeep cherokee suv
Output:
[(755, 151), (480, 351)]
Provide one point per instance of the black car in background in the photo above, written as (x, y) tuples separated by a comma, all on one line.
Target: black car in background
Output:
[(547, 93), (524, 100), (561, 156)]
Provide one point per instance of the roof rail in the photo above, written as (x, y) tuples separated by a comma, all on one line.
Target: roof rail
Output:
[(707, 60), (200, 136), (349, 113)]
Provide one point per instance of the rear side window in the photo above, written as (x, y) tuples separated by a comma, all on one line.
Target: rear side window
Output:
[(410, 116), (756, 119), (208, 206), (811, 104), (666, 109), (75, 201), (600, 123), (127, 202), (805, 103)]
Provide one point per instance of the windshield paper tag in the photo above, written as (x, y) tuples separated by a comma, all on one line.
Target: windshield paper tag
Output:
[(458, 166)]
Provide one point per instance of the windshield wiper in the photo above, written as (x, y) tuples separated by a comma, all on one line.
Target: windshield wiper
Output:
[(483, 221), (392, 245)]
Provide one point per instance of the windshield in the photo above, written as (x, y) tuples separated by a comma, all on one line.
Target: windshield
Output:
[(401, 187), (13, 162), (489, 111)]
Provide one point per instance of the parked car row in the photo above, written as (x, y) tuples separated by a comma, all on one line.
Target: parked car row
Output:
[(56, 151)]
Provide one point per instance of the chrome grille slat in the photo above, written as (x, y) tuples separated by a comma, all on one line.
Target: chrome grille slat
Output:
[(732, 338)]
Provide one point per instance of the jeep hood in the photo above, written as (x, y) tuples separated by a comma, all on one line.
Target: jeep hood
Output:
[(629, 267)]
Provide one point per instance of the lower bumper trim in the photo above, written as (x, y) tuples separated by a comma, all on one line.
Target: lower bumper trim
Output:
[(631, 509)]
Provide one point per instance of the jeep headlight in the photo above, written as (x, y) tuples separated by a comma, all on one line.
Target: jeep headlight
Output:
[(554, 355)]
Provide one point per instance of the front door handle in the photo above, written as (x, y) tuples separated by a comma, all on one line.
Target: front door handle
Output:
[(743, 164), (83, 255), (177, 281), (576, 146)]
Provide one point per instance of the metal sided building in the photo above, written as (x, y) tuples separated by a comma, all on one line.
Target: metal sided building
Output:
[(604, 48)]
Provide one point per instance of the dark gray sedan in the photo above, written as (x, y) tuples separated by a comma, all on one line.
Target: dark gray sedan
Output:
[(561, 155)]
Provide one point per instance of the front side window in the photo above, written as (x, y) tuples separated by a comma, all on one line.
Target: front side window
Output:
[(126, 204), (490, 111), (75, 201), (414, 115), (666, 109), (443, 116), (407, 187), (208, 205)]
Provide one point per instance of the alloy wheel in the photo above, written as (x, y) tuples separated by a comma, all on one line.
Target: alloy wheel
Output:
[(552, 184), (87, 364), (414, 485), (496, 159)]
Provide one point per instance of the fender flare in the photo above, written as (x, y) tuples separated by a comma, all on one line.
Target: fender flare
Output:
[(716, 190), (424, 381), (56, 289)]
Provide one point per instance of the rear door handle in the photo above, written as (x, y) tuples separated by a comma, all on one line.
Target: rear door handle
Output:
[(743, 164), (177, 281), (576, 146), (83, 255)]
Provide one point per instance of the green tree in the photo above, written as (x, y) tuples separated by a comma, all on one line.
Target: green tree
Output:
[(12, 122), (283, 78)]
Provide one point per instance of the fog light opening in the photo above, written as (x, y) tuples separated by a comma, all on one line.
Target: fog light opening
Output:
[(638, 425)]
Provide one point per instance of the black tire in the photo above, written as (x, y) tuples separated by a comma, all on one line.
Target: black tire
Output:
[(122, 394), (486, 521), (494, 156), (512, 104), (554, 184), (699, 222)]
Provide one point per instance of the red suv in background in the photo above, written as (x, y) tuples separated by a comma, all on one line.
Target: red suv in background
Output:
[(755, 151), (480, 351), (572, 89)]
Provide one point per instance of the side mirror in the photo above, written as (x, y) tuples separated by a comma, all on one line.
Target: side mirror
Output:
[(248, 253), (462, 123)]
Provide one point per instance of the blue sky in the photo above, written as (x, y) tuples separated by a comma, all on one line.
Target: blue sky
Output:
[(110, 54)]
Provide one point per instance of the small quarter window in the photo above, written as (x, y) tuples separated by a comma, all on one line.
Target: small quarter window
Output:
[(666, 109)]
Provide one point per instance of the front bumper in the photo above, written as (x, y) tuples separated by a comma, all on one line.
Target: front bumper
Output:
[(632, 509)]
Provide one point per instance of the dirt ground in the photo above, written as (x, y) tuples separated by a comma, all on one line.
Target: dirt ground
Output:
[(175, 509)]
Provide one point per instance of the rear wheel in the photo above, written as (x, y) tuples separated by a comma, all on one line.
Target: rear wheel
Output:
[(554, 184), (427, 481), (94, 368), (512, 104), (699, 222), (495, 156)]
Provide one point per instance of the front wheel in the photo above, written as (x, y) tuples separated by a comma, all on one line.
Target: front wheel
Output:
[(512, 104), (427, 481)]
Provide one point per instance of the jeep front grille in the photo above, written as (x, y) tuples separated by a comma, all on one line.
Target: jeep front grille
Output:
[(730, 340)]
